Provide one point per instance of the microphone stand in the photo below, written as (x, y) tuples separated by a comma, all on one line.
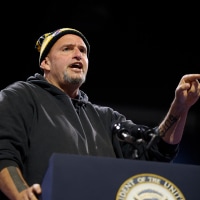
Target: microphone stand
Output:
[(147, 138)]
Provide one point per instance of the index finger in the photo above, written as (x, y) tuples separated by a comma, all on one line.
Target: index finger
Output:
[(191, 77)]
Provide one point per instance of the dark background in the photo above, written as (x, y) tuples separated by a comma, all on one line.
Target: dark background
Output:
[(139, 52)]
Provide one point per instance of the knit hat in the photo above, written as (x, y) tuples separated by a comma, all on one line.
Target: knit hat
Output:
[(47, 40)]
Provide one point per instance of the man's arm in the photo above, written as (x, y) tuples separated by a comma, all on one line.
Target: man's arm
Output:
[(13, 185), (187, 94)]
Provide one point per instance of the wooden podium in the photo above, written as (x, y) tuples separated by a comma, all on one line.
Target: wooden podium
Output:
[(74, 177)]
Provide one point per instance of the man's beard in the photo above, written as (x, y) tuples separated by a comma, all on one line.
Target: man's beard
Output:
[(74, 81)]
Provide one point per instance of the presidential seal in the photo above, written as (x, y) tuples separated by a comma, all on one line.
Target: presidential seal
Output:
[(148, 187)]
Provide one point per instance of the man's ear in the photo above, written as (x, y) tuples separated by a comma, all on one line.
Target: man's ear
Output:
[(45, 64)]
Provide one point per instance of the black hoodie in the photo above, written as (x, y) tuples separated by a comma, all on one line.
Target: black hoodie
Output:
[(37, 119)]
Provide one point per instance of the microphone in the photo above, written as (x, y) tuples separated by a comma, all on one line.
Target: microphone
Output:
[(124, 136), (140, 134)]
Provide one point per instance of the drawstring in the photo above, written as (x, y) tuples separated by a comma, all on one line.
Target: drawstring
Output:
[(78, 104)]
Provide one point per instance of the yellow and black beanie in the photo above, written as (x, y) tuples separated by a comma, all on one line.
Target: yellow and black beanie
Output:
[(47, 40)]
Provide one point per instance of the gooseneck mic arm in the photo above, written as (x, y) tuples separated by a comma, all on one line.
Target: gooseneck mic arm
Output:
[(141, 137)]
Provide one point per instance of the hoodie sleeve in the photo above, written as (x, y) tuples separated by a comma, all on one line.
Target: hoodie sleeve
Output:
[(13, 126)]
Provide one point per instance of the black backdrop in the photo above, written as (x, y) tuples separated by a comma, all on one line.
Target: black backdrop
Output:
[(139, 51)]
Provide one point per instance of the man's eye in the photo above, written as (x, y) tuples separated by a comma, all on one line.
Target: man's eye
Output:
[(83, 50)]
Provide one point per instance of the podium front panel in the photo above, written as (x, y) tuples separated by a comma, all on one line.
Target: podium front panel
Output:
[(77, 177)]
